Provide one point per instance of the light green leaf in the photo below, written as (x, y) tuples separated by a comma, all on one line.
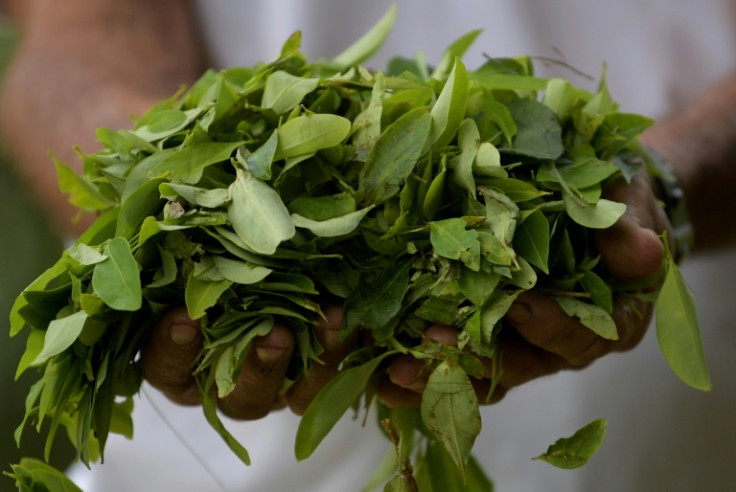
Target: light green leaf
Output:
[(462, 166), (82, 193), (601, 215), (86, 255), (455, 51), (309, 133), (239, 271), (204, 197), (336, 226), (488, 162), (561, 97), (450, 410), (230, 362), (37, 475), (678, 330), (449, 110), (573, 452), (186, 165), (259, 217), (331, 403), (283, 91), (592, 316), (368, 44), (61, 334), (116, 280), (201, 295), (477, 286)]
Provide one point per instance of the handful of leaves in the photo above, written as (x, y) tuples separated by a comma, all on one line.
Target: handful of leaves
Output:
[(412, 197)]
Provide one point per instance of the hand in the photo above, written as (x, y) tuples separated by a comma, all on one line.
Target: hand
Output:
[(176, 340), (544, 339)]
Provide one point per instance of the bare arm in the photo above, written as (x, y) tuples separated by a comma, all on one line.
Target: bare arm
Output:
[(700, 142), (82, 64)]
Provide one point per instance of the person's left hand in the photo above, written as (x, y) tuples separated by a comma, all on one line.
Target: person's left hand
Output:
[(544, 340)]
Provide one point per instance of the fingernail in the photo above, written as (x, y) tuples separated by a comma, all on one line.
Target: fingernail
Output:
[(269, 356), (519, 314), (182, 333)]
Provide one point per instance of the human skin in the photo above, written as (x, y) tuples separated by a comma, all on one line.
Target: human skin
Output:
[(79, 67)]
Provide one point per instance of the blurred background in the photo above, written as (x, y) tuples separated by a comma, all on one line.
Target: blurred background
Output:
[(27, 247)]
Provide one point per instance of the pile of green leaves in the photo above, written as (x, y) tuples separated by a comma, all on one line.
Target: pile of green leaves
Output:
[(412, 197)]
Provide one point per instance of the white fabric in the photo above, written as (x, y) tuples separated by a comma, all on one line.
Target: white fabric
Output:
[(662, 435)]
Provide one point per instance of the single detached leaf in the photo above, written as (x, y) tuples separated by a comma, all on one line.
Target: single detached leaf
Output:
[(575, 451), (331, 403), (678, 330), (240, 272), (450, 410), (394, 156), (592, 316), (309, 133), (116, 280), (259, 217), (61, 334)]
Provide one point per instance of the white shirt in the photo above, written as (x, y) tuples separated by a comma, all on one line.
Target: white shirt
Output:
[(662, 435)]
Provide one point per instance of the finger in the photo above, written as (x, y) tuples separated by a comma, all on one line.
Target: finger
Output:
[(411, 373), (170, 354), (521, 362), (393, 395), (301, 394), (631, 248), (541, 322), (257, 390)]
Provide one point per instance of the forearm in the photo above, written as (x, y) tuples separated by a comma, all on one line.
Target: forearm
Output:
[(83, 64), (700, 142)]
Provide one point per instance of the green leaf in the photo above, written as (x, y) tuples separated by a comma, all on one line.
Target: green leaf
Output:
[(575, 451), (462, 167), (336, 226), (450, 410), (455, 51), (82, 193), (374, 305), (600, 215), (201, 295), (239, 271), (561, 97), (143, 202), (259, 162), (309, 133), (116, 280), (678, 330), (368, 44), (599, 290), (450, 240), (35, 475), (86, 255), (209, 407), (230, 362), (531, 240), (187, 165), (62, 333), (538, 135), (394, 156), (331, 403), (34, 346), (449, 110), (259, 217), (594, 317), (478, 286), (204, 197), (322, 208), (283, 91)]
